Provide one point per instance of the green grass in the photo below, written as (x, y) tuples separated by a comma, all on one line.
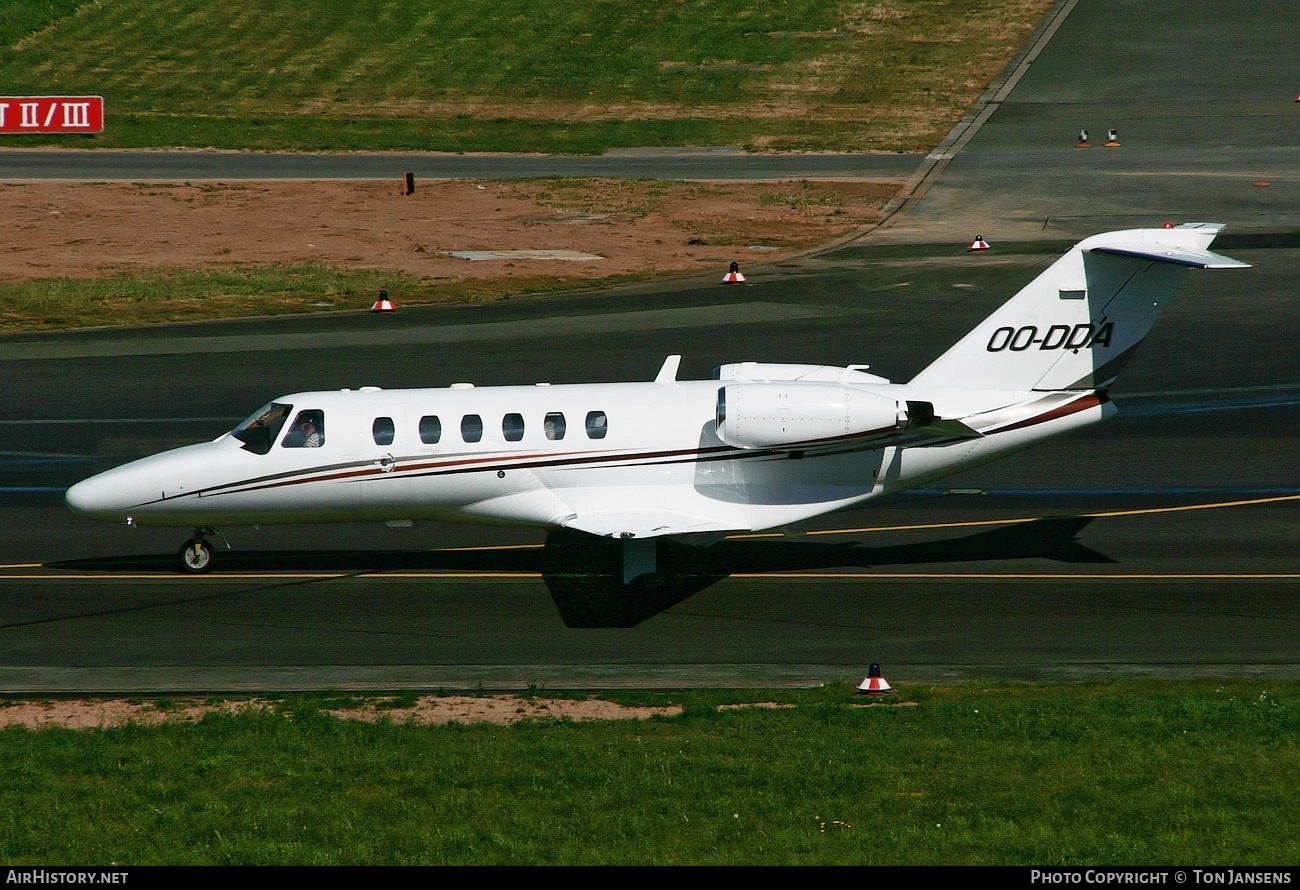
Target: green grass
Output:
[(576, 76), (468, 75), (1121, 773), (244, 291)]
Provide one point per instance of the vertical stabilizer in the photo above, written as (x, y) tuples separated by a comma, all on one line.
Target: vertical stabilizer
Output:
[(1076, 324)]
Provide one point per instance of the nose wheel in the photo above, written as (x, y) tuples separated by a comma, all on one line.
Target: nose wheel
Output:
[(196, 555)]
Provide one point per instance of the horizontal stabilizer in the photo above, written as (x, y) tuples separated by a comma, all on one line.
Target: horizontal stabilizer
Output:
[(937, 432), (1176, 254), (949, 429)]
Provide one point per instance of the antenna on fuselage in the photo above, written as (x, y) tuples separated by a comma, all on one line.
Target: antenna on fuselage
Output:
[(668, 373)]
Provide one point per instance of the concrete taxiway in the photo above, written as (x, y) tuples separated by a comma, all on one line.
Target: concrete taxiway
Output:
[(1162, 543)]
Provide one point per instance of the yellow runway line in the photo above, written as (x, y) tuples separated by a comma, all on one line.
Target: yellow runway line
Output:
[(983, 522), (1039, 576), (268, 576), (1246, 503), (1110, 514), (482, 576)]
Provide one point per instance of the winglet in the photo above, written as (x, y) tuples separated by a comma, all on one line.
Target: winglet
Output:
[(668, 373)]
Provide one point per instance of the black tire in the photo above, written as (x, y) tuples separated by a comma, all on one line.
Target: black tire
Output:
[(196, 557)]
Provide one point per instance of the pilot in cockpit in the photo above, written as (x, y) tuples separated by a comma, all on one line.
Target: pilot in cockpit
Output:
[(311, 437), (307, 431)]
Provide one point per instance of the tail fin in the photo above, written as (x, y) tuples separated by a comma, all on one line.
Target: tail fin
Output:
[(1076, 324)]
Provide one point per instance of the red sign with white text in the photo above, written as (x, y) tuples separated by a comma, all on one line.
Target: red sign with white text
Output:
[(51, 114)]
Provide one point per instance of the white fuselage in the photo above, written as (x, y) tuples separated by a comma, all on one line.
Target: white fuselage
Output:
[(659, 467)]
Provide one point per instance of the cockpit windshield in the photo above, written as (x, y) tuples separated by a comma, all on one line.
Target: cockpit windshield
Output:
[(259, 432)]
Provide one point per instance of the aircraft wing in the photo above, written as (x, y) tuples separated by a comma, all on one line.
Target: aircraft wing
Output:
[(652, 518), (1172, 253), (645, 523)]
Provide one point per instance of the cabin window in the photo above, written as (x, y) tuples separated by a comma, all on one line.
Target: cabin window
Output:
[(554, 426), (430, 429), (471, 428), (597, 425), (263, 428), (512, 427), (308, 430), (383, 430)]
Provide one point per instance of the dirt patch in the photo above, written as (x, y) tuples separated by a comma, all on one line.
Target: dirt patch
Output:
[(108, 713), (56, 230), (500, 709), (427, 710)]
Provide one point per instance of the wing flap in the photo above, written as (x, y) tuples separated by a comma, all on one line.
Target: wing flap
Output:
[(646, 523), (1172, 253)]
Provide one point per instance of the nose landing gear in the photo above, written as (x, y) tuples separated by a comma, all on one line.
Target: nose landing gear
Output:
[(196, 555)]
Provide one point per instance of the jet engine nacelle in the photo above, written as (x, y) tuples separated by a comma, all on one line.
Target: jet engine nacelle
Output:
[(766, 415)]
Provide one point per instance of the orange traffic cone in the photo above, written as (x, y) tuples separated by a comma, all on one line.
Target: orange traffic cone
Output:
[(383, 304), (1083, 140), (978, 244), (1112, 139), (733, 276), (874, 684)]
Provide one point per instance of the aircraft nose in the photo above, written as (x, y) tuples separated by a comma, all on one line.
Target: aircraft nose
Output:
[(149, 486), (100, 497)]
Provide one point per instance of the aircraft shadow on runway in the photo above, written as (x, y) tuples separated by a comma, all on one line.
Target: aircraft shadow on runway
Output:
[(583, 576)]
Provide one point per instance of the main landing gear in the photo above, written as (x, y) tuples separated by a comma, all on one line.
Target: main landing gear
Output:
[(196, 555), (597, 582)]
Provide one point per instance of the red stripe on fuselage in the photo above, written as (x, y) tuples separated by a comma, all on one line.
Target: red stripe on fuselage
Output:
[(1083, 403)]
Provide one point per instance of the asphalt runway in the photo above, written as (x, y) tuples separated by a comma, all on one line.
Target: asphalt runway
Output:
[(1161, 543), (955, 581), (641, 163), (1203, 104)]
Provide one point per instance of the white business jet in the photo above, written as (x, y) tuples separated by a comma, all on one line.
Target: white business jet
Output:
[(760, 446)]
